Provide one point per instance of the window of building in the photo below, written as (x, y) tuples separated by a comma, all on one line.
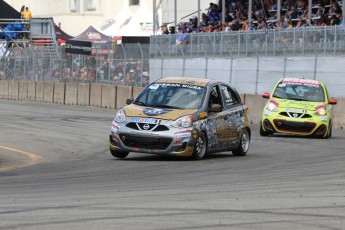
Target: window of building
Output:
[(133, 2), (74, 5), (90, 5)]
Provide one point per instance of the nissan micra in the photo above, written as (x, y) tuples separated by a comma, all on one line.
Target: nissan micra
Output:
[(186, 117), (299, 107)]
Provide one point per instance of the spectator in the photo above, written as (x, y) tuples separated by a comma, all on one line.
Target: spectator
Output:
[(292, 13), (334, 20), (181, 40), (165, 29), (26, 14), (321, 11), (171, 29), (335, 9)]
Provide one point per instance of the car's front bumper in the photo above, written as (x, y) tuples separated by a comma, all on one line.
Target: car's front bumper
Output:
[(175, 142), (312, 126)]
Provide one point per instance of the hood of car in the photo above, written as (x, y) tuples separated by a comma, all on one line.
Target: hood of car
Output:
[(158, 113), (308, 105)]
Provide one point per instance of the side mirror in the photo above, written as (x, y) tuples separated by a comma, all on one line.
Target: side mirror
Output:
[(129, 101), (215, 108), (266, 95), (332, 101)]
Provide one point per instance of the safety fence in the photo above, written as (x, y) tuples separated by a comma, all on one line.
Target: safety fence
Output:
[(306, 41), (109, 63)]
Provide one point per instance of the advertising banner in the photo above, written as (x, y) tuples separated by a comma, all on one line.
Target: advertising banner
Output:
[(78, 47)]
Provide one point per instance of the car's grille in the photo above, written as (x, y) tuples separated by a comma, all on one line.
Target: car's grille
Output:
[(145, 126), (298, 115), (135, 141), (301, 127)]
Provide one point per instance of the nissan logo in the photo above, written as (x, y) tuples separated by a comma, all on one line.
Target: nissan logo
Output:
[(146, 126)]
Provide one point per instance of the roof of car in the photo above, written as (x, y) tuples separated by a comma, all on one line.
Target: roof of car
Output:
[(185, 80), (300, 80)]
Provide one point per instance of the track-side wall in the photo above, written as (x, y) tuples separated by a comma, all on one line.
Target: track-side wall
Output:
[(114, 97)]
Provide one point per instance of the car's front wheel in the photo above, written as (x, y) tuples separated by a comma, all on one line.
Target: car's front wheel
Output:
[(263, 132), (244, 144), (118, 154), (200, 147), (329, 131)]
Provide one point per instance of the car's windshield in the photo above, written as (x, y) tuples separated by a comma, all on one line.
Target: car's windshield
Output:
[(300, 90), (172, 95)]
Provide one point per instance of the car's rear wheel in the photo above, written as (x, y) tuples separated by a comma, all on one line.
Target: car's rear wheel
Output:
[(118, 154), (263, 132), (244, 144), (200, 147)]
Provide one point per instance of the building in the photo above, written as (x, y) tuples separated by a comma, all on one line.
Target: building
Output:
[(112, 17)]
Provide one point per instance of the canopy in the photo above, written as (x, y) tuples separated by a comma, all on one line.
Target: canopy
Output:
[(93, 35), (61, 36), (7, 11)]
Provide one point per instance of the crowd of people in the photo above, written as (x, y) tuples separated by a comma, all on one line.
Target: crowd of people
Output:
[(130, 73), (264, 16)]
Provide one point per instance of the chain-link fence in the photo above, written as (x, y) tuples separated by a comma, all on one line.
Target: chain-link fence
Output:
[(109, 63)]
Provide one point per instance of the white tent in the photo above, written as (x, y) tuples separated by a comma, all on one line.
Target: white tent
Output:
[(129, 22)]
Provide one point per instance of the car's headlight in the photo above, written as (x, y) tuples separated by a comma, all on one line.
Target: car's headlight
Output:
[(272, 107), (120, 116), (183, 122), (321, 111)]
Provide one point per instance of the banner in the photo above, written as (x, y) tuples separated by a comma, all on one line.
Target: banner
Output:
[(78, 47)]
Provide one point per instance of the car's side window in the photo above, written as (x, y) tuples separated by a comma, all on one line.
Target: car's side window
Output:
[(215, 99), (229, 96)]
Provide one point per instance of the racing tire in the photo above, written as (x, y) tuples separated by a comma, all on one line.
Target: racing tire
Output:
[(263, 132), (329, 131), (200, 147), (244, 144), (118, 154)]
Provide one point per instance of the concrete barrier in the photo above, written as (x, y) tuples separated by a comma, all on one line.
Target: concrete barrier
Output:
[(13, 90), (71, 96), (112, 96), (31, 90), (84, 94), (3, 89), (96, 95), (123, 93), (255, 104), (39, 91), (48, 92), (23, 90), (136, 91), (339, 114), (59, 92), (109, 96)]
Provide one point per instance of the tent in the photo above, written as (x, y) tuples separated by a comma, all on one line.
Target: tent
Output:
[(61, 36), (7, 11), (94, 36)]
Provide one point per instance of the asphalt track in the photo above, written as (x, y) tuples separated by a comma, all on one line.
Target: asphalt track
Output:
[(56, 173)]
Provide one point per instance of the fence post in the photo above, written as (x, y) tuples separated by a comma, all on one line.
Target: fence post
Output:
[(285, 60), (257, 72), (315, 66), (141, 65)]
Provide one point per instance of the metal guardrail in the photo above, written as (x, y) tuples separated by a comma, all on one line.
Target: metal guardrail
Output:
[(306, 41)]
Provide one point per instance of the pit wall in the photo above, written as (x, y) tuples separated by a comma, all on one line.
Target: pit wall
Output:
[(114, 97)]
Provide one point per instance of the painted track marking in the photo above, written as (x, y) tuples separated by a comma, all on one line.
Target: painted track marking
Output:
[(33, 159)]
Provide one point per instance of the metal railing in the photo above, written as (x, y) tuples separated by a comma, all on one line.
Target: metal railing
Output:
[(307, 41)]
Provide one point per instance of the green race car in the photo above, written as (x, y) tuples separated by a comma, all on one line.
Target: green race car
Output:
[(300, 107)]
